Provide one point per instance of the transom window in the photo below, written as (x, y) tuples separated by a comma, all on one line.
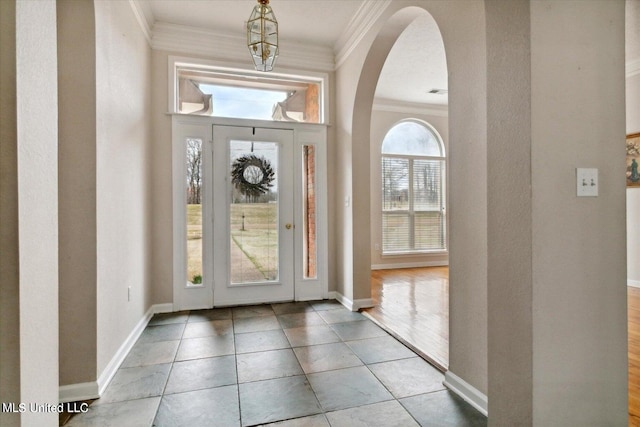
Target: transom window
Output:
[(210, 91), (413, 189)]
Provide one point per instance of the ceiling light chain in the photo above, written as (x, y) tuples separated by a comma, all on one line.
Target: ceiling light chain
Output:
[(262, 36)]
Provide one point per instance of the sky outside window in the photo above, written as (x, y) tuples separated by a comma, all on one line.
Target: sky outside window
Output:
[(247, 103)]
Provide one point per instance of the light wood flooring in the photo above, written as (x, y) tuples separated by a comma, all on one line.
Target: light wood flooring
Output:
[(413, 304), (633, 313)]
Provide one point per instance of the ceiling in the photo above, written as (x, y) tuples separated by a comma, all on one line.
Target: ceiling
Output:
[(325, 19), (414, 68), (415, 65)]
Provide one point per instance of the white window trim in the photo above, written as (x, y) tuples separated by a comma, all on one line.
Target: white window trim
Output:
[(242, 69)]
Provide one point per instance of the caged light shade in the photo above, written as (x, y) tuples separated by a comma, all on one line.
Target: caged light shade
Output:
[(262, 36)]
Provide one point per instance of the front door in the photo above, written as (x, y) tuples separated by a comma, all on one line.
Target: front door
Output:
[(253, 213)]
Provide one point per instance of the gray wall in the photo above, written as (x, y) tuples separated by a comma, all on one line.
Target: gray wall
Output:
[(123, 152), (509, 208), (9, 241), (579, 267), (105, 146), (77, 190), (29, 199)]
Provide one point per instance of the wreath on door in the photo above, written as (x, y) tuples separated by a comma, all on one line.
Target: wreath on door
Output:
[(252, 175)]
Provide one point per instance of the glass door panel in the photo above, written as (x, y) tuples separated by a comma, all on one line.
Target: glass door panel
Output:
[(253, 211), (253, 230)]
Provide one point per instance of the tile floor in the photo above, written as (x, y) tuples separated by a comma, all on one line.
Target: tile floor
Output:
[(292, 364)]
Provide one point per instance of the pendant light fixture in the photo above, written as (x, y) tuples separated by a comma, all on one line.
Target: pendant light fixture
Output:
[(262, 36)]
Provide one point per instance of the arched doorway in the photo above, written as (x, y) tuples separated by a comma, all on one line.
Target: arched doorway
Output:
[(409, 134), (462, 27), (503, 59)]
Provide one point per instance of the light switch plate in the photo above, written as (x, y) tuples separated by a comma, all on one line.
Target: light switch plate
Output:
[(587, 182)]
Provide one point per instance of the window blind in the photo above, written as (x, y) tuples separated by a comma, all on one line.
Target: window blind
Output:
[(412, 204)]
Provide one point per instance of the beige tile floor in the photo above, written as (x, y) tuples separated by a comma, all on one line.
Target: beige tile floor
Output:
[(292, 364)]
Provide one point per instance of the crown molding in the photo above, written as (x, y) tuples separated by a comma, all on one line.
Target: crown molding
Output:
[(298, 55), (141, 17), (632, 68), (164, 36), (360, 24), (199, 41), (185, 39), (394, 106)]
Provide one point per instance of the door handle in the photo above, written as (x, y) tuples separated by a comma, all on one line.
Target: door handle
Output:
[(288, 226)]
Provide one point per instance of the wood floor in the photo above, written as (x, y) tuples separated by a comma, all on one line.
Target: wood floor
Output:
[(414, 304), (633, 315)]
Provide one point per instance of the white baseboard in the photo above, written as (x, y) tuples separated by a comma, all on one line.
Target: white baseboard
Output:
[(107, 375), (466, 391), (162, 308), (354, 305), (362, 303), (93, 390), (633, 283), (78, 392), (344, 301), (409, 265)]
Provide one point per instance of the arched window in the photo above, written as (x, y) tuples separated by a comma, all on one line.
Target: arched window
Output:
[(413, 189)]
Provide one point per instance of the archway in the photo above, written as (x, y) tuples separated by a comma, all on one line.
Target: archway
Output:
[(463, 31), (408, 217), (515, 258)]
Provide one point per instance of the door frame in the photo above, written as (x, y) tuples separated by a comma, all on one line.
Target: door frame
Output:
[(187, 296)]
